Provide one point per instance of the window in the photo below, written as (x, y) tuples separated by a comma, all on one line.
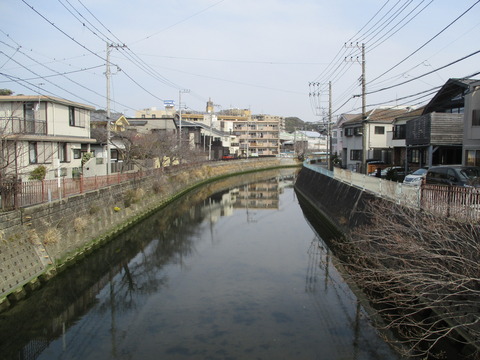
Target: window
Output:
[(62, 152), (71, 115), (473, 157), (77, 154), (32, 152), (356, 155), (349, 132), (358, 131), (475, 117), (379, 130), (29, 110), (76, 117), (414, 156), (400, 131)]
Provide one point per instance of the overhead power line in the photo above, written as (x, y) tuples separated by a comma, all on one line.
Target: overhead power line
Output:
[(423, 75), (426, 43)]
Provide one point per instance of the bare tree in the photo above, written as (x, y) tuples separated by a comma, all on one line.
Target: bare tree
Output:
[(422, 276)]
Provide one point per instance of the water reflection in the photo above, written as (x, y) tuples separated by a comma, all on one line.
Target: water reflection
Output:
[(231, 270)]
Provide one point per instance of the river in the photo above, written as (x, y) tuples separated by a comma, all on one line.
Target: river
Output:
[(230, 271)]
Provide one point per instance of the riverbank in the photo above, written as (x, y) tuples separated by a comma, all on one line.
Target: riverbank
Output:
[(406, 261), (40, 241)]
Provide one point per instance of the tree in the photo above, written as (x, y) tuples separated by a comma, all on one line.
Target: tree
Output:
[(6, 92), (422, 275)]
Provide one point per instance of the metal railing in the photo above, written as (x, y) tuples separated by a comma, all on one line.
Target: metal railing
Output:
[(16, 125)]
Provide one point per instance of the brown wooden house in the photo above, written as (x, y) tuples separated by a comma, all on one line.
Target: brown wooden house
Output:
[(436, 137)]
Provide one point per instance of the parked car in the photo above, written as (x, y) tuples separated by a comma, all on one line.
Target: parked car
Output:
[(453, 175), (395, 173), (415, 178)]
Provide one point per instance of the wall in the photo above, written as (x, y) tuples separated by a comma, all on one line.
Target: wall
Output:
[(339, 203), (39, 241)]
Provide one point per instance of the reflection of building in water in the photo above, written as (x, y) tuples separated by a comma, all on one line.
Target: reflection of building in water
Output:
[(259, 195)]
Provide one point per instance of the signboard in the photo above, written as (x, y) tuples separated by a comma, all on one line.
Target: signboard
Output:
[(168, 103)]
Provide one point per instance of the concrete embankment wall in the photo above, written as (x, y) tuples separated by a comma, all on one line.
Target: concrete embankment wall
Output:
[(340, 204), (39, 241)]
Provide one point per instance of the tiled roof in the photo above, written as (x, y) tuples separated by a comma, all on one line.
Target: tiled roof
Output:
[(382, 114)]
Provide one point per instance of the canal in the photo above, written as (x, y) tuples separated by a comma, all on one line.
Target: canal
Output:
[(232, 270)]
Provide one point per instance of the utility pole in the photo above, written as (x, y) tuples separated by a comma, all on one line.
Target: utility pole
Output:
[(329, 127), (364, 115), (108, 75), (180, 92), (364, 104)]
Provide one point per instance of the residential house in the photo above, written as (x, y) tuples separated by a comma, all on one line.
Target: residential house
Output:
[(43, 131), (368, 138), (117, 124), (337, 137), (397, 140), (436, 137), (471, 129)]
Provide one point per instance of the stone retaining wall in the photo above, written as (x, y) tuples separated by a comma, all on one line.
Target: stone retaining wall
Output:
[(39, 241)]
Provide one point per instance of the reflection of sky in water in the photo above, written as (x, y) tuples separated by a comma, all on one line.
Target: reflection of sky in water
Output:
[(256, 284)]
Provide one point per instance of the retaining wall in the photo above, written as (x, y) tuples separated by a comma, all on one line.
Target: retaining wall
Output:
[(41, 240), (340, 204)]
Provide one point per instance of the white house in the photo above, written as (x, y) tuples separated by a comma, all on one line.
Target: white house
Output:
[(43, 131), (370, 137)]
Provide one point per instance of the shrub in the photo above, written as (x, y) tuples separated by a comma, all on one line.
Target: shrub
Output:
[(38, 173)]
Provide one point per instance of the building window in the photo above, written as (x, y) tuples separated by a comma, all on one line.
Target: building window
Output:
[(399, 131), (349, 132), (414, 156), (379, 130), (71, 115), (32, 152), (357, 131), (62, 152), (77, 154), (76, 117), (356, 155), (475, 117), (473, 157)]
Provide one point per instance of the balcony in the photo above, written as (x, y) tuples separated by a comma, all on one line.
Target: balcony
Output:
[(16, 125)]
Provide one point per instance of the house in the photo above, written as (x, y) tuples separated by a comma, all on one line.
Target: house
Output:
[(43, 131), (337, 137), (397, 140), (471, 127), (367, 139), (436, 137)]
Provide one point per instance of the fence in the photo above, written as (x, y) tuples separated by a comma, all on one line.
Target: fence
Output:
[(19, 194), (461, 203)]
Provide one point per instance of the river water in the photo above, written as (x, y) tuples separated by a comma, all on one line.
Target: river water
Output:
[(231, 271)]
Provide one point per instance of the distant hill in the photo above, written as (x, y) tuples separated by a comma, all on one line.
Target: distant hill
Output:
[(295, 123)]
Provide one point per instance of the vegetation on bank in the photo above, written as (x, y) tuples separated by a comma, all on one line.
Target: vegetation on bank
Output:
[(422, 276)]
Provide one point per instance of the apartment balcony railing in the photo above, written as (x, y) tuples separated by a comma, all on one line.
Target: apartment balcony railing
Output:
[(17, 125)]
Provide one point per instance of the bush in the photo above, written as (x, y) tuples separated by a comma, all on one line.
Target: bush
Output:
[(38, 173)]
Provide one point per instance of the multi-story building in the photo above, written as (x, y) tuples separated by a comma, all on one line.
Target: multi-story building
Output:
[(43, 131), (257, 135)]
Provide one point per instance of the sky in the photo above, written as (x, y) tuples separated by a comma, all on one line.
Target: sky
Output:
[(273, 57)]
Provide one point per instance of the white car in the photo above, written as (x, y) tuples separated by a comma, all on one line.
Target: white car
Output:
[(415, 178)]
